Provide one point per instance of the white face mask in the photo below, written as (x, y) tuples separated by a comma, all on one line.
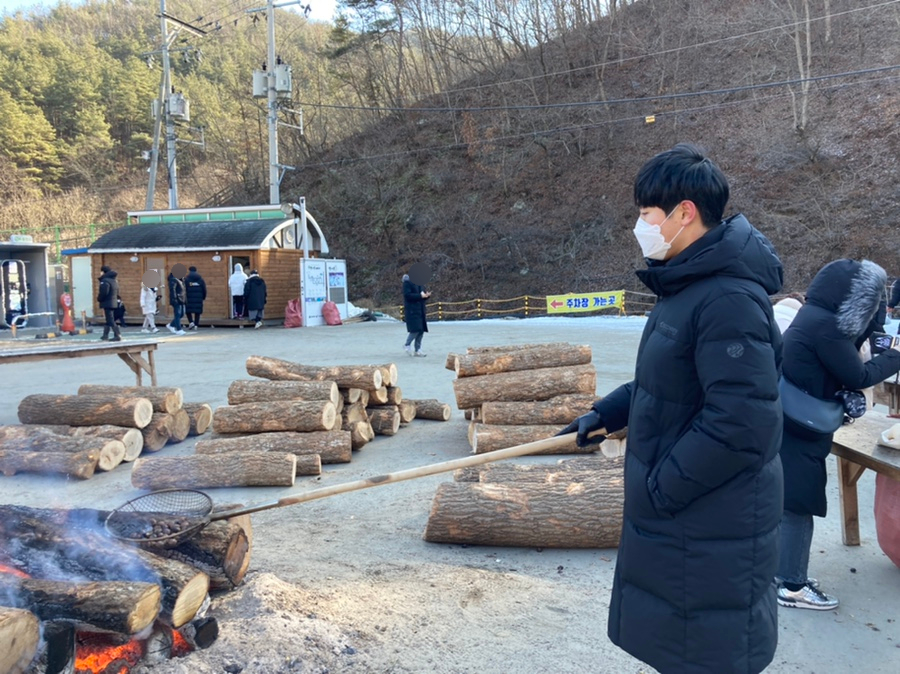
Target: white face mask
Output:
[(651, 240)]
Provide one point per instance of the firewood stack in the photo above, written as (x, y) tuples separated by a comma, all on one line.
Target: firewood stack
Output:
[(118, 589), (97, 429), (516, 395)]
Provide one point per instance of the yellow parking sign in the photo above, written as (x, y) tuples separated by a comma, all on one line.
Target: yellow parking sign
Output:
[(564, 304)]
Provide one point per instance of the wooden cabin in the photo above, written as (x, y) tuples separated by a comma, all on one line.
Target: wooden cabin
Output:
[(212, 240)]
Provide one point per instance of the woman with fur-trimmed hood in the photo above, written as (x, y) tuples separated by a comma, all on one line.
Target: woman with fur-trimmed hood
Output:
[(845, 303)]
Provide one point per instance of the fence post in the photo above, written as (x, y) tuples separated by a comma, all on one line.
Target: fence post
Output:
[(526, 305), (478, 307), (56, 237), (440, 311)]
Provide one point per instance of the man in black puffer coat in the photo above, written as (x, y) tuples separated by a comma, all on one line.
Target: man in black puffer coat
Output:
[(844, 305), (195, 294), (108, 299), (693, 589)]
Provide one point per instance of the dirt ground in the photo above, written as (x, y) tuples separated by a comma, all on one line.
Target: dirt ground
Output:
[(346, 584)]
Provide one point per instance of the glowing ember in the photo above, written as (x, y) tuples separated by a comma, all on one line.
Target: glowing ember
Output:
[(180, 645), (106, 659), (13, 572)]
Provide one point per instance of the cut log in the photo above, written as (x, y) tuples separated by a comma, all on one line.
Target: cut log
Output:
[(234, 469), (110, 452), (558, 410), (430, 408), (450, 363), (514, 347), (378, 396), (349, 376), (167, 399), (525, 385), (361, 433), (130, 437), (533, 358), (80, 465), (492, 438), (575, 469), (278, 415), (20, 634), (339, 405), (179, 426), (562, 513), (384, 420), (353, 413), (221, 550), (157, 433), (472, 414), (115, 606), (364, 398), (85, 410), (184, 588), (470, 433), (256, 391), (201, 417), (390, 376), (407, 411), (331, 446), (350, 395)]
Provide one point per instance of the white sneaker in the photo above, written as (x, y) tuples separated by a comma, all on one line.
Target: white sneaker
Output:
[(258, 325), (155, 329), (171, 329), (419, 354), (145, 330), (191, 326), (180, 332), (408, 349)]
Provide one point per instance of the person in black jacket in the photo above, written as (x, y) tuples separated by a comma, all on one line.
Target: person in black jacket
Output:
[(414, 297), (844, 306), (195, 293), (108, 299), (895, 299), (176, 299), (693, 589), (255, 296)]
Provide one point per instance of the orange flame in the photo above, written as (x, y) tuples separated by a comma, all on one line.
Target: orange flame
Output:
[(14, 572), (106, 659), (180, 645)]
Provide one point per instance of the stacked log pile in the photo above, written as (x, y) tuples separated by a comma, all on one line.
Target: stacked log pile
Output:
[(120, 589), (97, 429), (513, 396)]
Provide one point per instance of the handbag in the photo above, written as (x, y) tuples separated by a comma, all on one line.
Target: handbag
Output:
[(814, 414)]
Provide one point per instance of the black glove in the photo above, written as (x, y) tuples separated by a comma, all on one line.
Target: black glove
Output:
[(584, 425)]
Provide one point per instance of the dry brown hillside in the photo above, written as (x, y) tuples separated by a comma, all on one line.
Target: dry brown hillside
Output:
[(519, 181)]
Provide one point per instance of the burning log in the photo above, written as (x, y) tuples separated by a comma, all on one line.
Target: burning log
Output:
[(407, 411), (201, 417), (164, 398), (350, 376), (221, 550), (179, 426), (255, 391), (234, 469), (331, 446), (278, 415), (156, 434), (532, 358), (116, 606), (431, 409), (80, 465), (110, 453), (85, 410), (20, 634), (578, 509), (361, 433), (384, 420), (558, 410), (184, 588), (524, 385)]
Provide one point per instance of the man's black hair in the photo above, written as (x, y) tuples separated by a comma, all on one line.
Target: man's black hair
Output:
[(192, 269), (105, 268), (683, 173)]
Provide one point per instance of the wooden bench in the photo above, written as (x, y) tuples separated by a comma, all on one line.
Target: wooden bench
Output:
[(131, 352), (856, 449)]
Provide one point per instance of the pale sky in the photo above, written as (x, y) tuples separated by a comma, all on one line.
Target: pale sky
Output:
[(322, 10)]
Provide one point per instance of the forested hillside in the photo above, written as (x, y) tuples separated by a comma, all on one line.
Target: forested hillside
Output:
[(495, 141)]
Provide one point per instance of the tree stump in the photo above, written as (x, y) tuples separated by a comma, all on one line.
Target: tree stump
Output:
[(350, 376), (234, 469), (278, 415), (384, 420), (167, 399), (532, 358), (559, 410), (85, 410), (255, 391), (561, 512), (331, 446), (201, 417), (524, 385), (430, 408)]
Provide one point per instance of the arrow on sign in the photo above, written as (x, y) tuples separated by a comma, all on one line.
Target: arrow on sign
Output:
[(556, 303)]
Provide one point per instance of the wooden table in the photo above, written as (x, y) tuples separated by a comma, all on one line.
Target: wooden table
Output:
[(856, 449), (131, 352)]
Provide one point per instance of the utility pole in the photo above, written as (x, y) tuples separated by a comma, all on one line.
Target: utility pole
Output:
[(163, 108)]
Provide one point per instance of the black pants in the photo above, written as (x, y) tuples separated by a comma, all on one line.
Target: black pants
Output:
[(194, 318), (110, 316)]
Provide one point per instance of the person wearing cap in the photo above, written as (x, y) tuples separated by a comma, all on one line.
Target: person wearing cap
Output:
[(255, 294)]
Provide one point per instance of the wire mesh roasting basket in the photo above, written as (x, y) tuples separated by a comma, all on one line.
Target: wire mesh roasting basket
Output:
[(162, 519)]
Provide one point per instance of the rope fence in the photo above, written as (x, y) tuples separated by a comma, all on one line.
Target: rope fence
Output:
[(524, 306)]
